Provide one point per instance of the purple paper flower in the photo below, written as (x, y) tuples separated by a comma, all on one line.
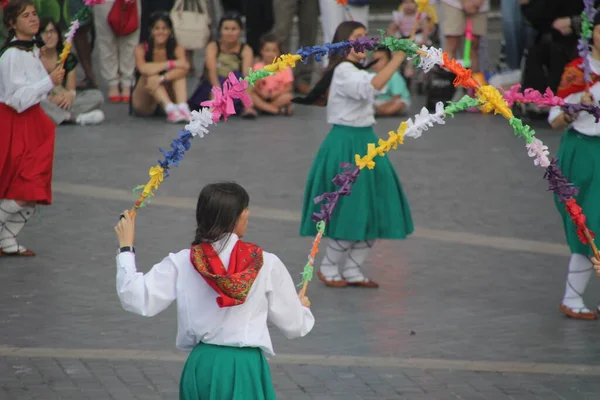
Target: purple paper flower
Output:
[(344, 181), (574, 109), (558, 183), (364, 44)]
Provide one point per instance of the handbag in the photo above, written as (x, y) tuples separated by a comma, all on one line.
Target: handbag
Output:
[(123, 17), (191, 24)]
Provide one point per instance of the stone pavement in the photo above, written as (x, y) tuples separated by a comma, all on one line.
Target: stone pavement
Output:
[(467, 308)]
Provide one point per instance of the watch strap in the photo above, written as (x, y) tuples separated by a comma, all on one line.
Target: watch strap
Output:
[(126, 249)]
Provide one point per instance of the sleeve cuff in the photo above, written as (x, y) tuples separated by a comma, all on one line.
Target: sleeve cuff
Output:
[(47, 85), (126, 261)]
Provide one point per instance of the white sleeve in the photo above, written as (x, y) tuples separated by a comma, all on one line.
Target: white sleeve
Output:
[(285, 310), (20, 93), (556, 110), (352, 82), (149, 294)]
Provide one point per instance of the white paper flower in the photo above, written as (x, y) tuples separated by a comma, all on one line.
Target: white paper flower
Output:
[(199, 123), (433, 58), (422, 123), (540, 151)]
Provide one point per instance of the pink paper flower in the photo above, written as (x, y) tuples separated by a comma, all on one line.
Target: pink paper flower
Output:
[(222, 104), (91, 3), (548, 99)]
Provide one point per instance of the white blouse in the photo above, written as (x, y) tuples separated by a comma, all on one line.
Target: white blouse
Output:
[(272, 298), (351, 97), (24, 81), (585, 122)]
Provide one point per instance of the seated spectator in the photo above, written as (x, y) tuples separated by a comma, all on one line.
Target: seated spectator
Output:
[(395, 97), (64, 103), (161, 67), (226, 55), (272, 95)]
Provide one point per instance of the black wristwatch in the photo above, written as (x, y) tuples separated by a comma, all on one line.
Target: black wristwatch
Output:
[(125, 249)]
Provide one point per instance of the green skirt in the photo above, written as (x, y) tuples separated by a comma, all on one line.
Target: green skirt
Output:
[(226, 373), (579, 160), (376, 208)]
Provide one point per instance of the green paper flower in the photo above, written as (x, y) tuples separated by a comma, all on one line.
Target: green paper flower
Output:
[(307, 274), (255, 76), (409, 47), (523, 131), (464, 103), (587, 27)]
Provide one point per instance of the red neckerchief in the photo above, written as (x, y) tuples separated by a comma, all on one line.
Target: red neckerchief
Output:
[(573, 80), (232, 284)]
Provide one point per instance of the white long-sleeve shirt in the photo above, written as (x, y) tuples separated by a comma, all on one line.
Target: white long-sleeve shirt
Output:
[(24, 81), (585, 122), (272, 297), (351, 97)]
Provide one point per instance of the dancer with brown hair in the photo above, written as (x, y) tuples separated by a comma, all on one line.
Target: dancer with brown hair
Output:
[(27, 133), (226, 290)]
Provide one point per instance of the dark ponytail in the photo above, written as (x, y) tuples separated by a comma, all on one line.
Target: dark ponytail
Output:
[(218, 210)]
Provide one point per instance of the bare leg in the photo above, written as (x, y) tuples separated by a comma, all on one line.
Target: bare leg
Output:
[(262, 104), (452, 45), (143, 103), (180, 90), (84, 51)]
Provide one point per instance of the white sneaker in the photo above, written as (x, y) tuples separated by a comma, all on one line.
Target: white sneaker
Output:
[(90, 118)]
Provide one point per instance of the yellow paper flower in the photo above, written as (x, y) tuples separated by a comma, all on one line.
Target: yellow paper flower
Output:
[(401, 130), (283, 62), (156, 177), (493, 101), (63, 55)]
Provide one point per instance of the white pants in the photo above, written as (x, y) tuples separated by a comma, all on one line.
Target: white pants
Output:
[(117, 62), (333, 14)]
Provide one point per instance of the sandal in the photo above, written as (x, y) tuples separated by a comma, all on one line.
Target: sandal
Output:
[(334, 281), (287, 110), (578, 313), (365, 282), (21, 252)]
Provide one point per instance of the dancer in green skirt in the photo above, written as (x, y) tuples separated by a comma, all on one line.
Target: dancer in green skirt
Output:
[(579, 160), (226, 291), (377, 207)]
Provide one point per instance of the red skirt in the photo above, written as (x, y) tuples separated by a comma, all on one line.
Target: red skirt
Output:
[(26, 154)]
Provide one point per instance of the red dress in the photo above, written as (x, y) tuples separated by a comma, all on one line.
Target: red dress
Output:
[(26, 154)]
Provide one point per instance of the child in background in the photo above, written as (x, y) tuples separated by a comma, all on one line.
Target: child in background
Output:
[(403, 22), (395, 97), (272, 95), (402, 25)]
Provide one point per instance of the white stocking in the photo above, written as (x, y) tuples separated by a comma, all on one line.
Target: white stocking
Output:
[(13, 225), (356, 258), (8, 207), (580, 270), (336, 249)]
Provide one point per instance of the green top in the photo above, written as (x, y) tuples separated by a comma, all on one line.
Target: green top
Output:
[(396, 86)]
